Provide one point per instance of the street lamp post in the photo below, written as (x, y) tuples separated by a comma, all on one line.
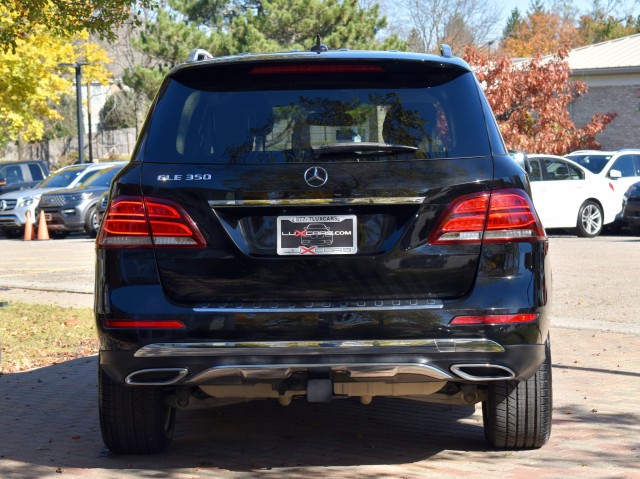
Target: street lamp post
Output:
[(78, 67), (89, 132)]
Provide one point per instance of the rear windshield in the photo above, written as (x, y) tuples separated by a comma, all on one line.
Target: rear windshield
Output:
[(208, 115)]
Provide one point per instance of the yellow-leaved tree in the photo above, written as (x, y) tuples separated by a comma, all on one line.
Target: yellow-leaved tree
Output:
[(31, 80), (22, 18)]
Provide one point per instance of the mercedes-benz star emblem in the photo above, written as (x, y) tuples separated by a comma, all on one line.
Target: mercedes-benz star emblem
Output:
[(316, 176), (3, 205)]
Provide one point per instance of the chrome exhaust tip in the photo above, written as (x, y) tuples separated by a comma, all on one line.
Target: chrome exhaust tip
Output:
[(483, 372), (156, 377)]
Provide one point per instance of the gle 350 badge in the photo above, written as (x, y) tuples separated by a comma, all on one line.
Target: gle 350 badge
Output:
[(317, 235)]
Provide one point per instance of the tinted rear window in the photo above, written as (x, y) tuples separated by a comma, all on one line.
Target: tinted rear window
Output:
[(248, 115)]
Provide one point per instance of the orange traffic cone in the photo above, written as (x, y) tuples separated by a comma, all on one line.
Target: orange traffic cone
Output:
[(28, 227), (43, 232)]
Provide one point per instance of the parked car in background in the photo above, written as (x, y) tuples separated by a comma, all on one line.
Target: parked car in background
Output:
[(435, 284), (17, 175), (631, 208), (74, 209), (14, 205), (619, 168), (566, 195)]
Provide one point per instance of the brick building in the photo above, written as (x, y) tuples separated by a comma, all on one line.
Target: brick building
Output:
[(611, 70)]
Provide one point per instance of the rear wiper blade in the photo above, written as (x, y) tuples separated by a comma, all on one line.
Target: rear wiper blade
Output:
[(362, 147)]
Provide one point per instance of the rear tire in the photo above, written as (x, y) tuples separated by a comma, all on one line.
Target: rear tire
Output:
[(133, 419), (590, 220), (517, 414)]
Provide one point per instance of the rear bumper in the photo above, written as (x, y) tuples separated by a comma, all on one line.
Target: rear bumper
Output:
[(631, 213), (198, 364), (408, 342), (391, 339)]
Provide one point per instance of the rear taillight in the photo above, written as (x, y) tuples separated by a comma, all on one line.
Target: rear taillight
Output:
[(494, 319), (148, 324), (503, 215), (134, 221)]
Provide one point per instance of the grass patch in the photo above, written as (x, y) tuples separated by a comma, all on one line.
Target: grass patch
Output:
[(36, 335)]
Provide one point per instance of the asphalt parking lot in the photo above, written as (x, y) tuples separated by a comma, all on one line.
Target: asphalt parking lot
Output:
[(49, 425)]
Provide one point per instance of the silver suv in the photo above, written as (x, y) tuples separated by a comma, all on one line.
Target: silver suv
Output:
[(14, 205)]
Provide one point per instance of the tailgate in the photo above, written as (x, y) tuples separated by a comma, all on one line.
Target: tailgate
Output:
[(271, 237)]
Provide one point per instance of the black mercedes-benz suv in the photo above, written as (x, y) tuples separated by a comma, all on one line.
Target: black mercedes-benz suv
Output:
[(435, 283)]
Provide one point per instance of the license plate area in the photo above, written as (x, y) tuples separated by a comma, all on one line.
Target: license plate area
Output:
[(317, 235)]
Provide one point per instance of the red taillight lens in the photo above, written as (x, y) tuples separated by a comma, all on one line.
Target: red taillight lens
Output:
[(126, 217), (494, 319), (504, 215), (125, 324), (133, 221), (325, 68), (510, 211)]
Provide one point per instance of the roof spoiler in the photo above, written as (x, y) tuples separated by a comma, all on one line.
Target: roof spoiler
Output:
[(199, 55), (445, 51)]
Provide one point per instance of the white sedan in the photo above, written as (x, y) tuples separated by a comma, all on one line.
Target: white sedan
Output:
[(566, 195)]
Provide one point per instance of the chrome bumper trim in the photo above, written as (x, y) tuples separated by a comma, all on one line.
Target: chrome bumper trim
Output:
[(316, 348), (282, 371), (401, 200), (178, 375), (322, 306), (505, 372)]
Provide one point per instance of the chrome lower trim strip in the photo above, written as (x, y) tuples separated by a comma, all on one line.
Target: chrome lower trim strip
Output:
[(316, 348), (283, 371), (401, 200), (322, 306), (178, 374)]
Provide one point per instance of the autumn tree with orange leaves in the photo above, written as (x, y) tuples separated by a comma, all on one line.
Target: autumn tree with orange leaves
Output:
[(539, 32), (530, 101)]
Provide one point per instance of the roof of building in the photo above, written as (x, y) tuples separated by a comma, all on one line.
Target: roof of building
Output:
[(619, 54)]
